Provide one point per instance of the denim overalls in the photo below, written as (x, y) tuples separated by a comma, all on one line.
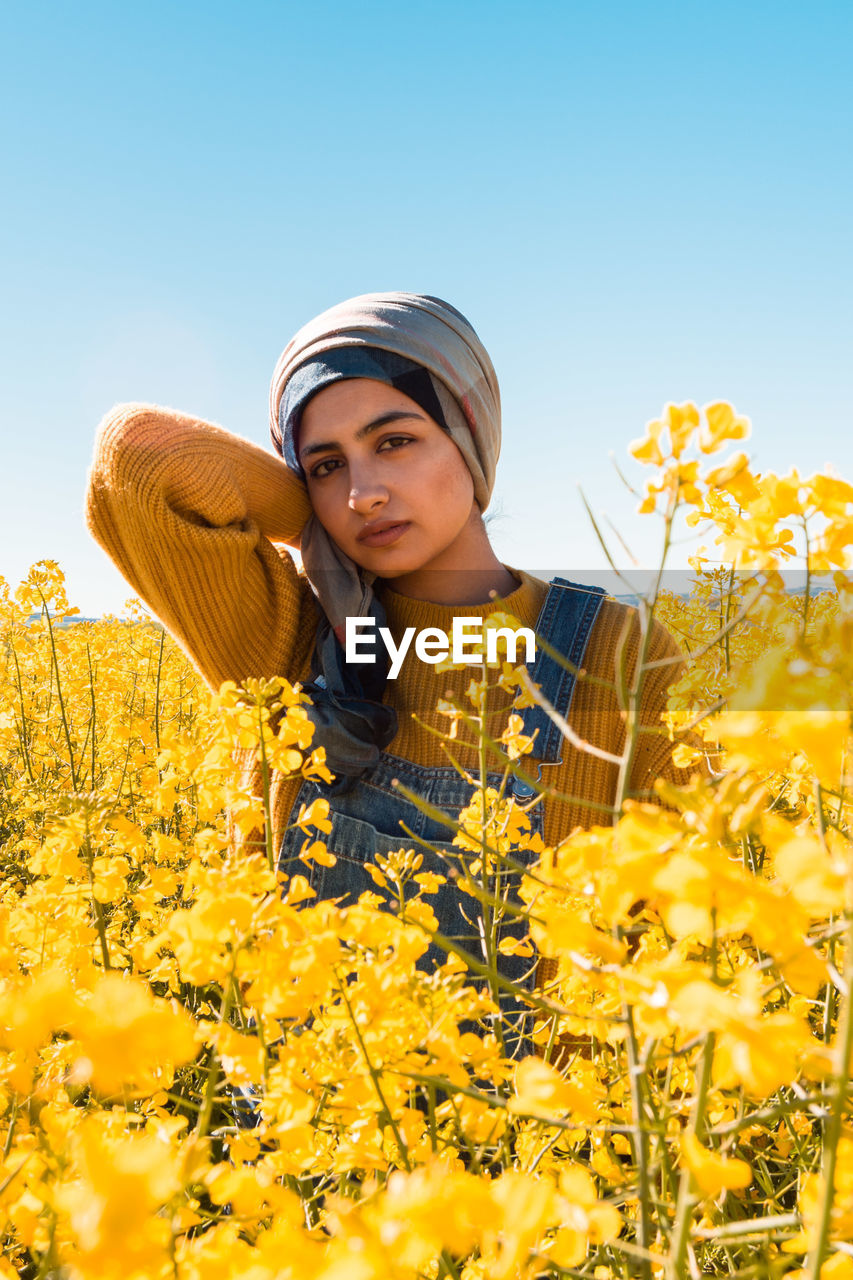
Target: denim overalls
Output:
[(371, 817)]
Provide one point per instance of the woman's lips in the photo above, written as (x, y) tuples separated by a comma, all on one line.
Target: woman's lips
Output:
[(383, 535)]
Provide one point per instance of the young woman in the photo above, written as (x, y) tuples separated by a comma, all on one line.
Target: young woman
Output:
[(386, 413)]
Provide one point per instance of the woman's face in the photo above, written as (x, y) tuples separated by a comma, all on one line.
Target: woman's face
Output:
[(386, 482)]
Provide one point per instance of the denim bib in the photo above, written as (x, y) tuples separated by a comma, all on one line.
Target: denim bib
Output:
[(375, 818)]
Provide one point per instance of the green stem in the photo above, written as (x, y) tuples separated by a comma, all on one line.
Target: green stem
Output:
[(48, 1264), (374, 1076), (761, 1227), (808, 589), (265, 775), (127, 745), (726, 629), (632, 709), (213, 1070), (97, 907), (640, 1140), (23, 732), (686, 1200), (640, 1137), (489, 916), (55, 662), (838, 1093), (7, 1145), (92, 701), (157, 691)]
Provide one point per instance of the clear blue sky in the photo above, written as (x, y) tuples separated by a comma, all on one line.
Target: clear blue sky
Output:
[(633, 203)]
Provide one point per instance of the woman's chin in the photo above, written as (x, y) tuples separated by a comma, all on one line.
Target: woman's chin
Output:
[(402, 561), (390, 562), (391, 570)]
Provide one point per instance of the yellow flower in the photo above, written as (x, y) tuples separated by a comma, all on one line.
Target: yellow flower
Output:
[(130, 1041), (712, 1172), (648, 449), (818, 879), (736, 478), (316, 814), (682, 420), (516, 743), (585, 1219), (541, 1091), (108, 1203), (722, 424), (316, 851)]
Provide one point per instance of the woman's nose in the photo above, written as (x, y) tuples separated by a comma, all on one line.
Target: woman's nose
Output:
[(366, 495)]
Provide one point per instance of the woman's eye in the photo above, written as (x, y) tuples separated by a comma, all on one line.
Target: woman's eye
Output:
[(325, 468), (394, 442)]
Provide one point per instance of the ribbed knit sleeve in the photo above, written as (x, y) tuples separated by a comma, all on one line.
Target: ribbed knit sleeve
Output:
[(189, 513)]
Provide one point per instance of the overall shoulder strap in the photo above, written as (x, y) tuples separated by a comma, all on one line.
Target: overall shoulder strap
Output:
[(564, 623)]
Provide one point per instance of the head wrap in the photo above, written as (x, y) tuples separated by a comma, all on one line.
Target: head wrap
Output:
[(354, 362), (388, 337)]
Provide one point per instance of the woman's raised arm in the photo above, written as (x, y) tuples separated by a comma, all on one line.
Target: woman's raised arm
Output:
[(189, 513)]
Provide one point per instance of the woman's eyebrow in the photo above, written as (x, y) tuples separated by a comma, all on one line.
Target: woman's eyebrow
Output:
[(395, 415)]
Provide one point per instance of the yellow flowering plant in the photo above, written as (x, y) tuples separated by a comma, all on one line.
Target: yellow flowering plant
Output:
[(206, 1072)]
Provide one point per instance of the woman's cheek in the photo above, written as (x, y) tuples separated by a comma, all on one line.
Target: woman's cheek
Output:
[(454, 483), (329, 508)]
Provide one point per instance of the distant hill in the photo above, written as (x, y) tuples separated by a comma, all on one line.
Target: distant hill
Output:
[(78, 617), (675, 581)]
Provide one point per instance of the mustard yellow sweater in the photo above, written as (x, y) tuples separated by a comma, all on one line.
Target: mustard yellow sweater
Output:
[(195, 519)]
